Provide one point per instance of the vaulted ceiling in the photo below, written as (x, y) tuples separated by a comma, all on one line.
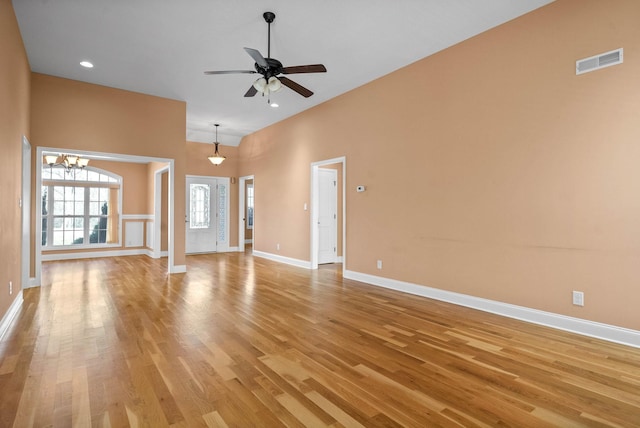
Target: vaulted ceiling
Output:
[(162, 47)]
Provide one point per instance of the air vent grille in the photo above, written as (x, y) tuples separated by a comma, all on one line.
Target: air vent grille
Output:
[(597, 62)]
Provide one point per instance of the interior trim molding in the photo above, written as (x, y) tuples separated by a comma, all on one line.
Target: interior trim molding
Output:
[(137, 216), (178, 269), (94, 254), (583, 327), (11, 314), (32, 282), (282, 259)]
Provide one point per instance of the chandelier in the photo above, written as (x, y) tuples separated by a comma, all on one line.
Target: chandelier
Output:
[(68, 162), (217, 158)]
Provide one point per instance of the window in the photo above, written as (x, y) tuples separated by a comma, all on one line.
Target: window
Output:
[(250, 206), (199, 217), (79, 208)]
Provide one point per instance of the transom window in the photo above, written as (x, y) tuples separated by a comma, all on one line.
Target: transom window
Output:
[(79, 208)]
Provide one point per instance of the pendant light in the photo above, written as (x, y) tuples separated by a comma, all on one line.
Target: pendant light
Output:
[(217, 158), (69, 162)]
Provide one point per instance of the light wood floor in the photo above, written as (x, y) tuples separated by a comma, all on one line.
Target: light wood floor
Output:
[(241, 341)]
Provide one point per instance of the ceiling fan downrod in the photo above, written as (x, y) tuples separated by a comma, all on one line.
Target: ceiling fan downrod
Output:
[(269, 17)]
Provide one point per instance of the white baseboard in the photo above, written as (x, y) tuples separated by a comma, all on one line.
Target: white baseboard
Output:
[(248, 241), (339, 259), (282, 259), (93, 254), (606, 332), (8, 318), (178, 269), (31, 282), (156, 254)]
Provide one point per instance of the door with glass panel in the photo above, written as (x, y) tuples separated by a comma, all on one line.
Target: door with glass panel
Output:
[(207, 226)]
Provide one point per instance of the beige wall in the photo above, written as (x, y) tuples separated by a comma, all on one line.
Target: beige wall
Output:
[(135, 190), (198, 164), (491, 168), (14, 123), (69, 114)]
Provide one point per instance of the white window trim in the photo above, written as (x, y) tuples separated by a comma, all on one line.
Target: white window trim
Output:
[(84, 183)]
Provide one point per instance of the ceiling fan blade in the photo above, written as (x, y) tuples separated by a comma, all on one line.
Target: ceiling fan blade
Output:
[(231, 72), (295, 86), (251, 92), (257, 57), (312, 68)]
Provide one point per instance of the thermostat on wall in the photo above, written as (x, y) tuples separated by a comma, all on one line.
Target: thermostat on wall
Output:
[(360, 189)]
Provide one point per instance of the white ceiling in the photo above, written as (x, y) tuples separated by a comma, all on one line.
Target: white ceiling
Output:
[(162, 47)]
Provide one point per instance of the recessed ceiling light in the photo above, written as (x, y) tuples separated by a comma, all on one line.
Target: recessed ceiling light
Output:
[(274, 105), (86, 64)]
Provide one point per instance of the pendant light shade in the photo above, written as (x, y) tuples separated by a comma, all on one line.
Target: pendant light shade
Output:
[(217, 158)]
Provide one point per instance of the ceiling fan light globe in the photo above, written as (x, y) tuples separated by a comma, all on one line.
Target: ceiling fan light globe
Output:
[(274, 84), (260, 84)]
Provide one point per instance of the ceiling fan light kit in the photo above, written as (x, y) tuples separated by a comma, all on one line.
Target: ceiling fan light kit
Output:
[(270, 69), (265, 87)]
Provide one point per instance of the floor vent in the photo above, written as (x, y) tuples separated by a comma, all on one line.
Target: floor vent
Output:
[(597, 62)]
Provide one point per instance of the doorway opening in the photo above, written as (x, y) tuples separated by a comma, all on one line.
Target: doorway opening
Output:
[(246, 212), (40, 151), (159, 237), (328, 212)]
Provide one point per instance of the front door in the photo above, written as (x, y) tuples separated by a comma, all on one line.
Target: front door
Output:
[(207, 227)]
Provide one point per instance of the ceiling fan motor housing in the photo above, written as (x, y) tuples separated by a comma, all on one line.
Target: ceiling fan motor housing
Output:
[(275, 68)]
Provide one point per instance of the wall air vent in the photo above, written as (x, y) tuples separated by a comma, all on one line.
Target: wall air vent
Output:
[(597, 62)]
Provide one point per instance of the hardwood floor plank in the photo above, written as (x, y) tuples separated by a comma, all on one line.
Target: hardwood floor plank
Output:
[(80, 403), (238, 342)]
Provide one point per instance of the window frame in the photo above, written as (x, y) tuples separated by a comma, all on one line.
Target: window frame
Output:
[(50, 183)]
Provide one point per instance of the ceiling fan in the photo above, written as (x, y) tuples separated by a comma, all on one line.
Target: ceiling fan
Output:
[(271, 68)]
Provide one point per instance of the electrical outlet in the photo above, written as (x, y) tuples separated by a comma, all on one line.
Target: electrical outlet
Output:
[(10, 288), (578, 298), (278, 247), (379, 264)]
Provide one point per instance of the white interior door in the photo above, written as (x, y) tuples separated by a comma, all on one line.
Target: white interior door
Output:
[(327, 215), (207, 228)]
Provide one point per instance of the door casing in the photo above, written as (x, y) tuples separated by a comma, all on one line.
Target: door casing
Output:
[(315, 213)]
